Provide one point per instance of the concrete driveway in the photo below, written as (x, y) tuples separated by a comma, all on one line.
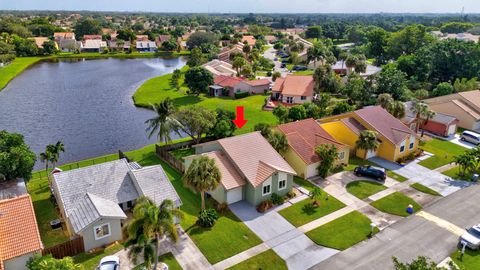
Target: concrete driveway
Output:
[(298, 251), (456, 140), (414, 236)]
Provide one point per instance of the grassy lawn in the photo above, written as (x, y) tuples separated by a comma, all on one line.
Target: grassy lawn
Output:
[(364, 189), (10, 71), (425, 189), (304, 72), (303, 183), (268, 260), (168, 259), (90, 261), (396, 204), (355, 161), (158, 88), (183, 152), (454, 173), (297, 215), (342, 232), (469, 261), (443, 151)]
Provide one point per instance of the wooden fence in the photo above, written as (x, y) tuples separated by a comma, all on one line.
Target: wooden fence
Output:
[(69, 248), (164, 155)]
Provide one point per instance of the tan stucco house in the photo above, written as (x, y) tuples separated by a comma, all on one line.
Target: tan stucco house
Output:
[(93, 200), (293, 89), (303, 138), (464, 106), (251, 169)]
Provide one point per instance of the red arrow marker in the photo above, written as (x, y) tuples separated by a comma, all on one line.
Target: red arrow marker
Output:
[(240, 120)]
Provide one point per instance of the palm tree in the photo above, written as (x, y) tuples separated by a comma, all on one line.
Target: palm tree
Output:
[(149, 225), (55, 150), (465, 162), (278, 141), (163, 123), (421, 111), (367, 141), (384, 100), (46, 157), (397, 109), (315, 194), (202, 175)]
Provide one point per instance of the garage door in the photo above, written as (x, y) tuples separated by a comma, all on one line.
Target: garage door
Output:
[(371, 154), (451, 129), (234, 195)]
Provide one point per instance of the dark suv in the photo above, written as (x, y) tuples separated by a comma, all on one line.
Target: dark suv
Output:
[(371, 171)]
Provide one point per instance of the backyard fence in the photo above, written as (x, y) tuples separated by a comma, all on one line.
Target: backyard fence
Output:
[(70, 248)]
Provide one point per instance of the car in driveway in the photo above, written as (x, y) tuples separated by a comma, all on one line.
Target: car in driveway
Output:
[(371, 171), (109, 263), (471, 137), (299, 68), (471, 237)]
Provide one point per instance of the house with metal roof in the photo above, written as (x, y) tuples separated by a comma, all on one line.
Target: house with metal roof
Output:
[(251, 169), (94, 200), (146, 46), (395, 139)]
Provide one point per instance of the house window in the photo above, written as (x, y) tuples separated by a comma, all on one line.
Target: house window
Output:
[(101, 231), (303, 98), (412, 142), (402, 146), (266, 190), (341, 155), (290, 100), (282, 184), (129, 204)]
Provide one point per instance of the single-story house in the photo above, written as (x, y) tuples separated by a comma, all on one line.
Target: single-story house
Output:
[(39, 41), (395, 138), (224, 86), (441, 124), (340, 67), (253, 86), (57, 36), (94, 45), (19, 235), (93, 200), (225, 53), (293, 89), (70, 45), (87, 37), (160, 39), (218, 67), (251, 169), (465, 106), (304, 137), (142, 38), (271, 39), (146, 46), (250, 40), (115, 45)]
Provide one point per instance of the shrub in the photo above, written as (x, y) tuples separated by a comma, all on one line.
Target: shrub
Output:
[(291, 194), (308, 208), (264, 206), (277, 199), (241, 95), (222, 207), (269, 73), (207, 218)]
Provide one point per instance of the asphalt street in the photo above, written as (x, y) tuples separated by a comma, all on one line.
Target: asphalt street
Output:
[(413, 236)]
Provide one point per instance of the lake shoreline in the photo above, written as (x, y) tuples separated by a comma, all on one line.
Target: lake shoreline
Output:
[(20, 64)]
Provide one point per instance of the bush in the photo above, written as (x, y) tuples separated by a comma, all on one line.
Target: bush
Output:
[(222, 207), (269, 73), (241, 95), (264, 206), (207, 218), (277, 199), (291, 194)]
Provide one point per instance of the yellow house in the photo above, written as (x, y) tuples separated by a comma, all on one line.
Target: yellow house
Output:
[(303, 138), (396, 139)]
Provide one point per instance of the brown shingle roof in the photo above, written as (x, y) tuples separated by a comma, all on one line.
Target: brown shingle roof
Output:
[(295, 85), (230, 177), (252, 154), (384, 123), (306, 135), (19, 233)]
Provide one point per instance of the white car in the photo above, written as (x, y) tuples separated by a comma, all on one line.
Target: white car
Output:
[(471, 237), (109, 263)]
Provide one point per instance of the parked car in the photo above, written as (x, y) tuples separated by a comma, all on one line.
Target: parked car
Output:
[(371, 171), (109, 263), (299, 68), (471, 237), (471, 137)]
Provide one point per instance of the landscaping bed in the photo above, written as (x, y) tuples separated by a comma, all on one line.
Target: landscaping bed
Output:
[(298, 214), (268, 260), (343, 232), (425, 189), (363, 189), (443, 153), (454, 173), (396, 204)]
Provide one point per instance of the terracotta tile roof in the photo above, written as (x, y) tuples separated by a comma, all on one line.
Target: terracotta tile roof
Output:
[(249, 39), (40, 40), (258, 82), (294, 85), (87, 37), (306, 135), (227, 81), (142, 37), (230, 177), (384, 123), (251, 154), (19, 233), (68, 35)]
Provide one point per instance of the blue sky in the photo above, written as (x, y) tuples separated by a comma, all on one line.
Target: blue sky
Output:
[(255, 6)]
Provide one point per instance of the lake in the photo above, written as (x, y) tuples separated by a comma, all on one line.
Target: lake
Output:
[(86, 104)]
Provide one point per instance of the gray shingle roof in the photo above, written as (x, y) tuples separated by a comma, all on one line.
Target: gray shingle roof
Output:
[(95, 191)]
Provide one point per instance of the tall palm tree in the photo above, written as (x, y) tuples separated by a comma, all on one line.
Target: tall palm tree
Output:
[(202, 175), (421, 111), (465, 162), (384, 100), (367, 141), (46, 157), (55, 149), (426, 117), (163, 124), (397, 109), (149, 225)]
